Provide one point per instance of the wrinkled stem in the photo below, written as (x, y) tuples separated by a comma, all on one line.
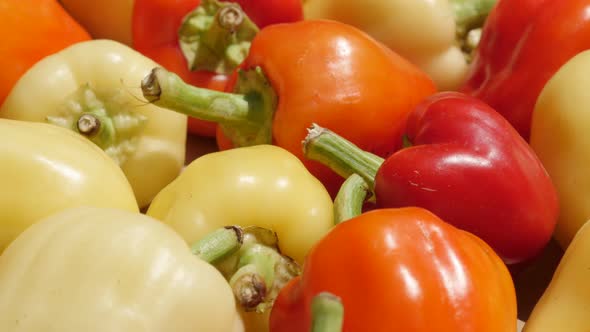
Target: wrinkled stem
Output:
[(340, 155), (216, 36), (219, 244), (327, 313), (470, 15), (350, 199)]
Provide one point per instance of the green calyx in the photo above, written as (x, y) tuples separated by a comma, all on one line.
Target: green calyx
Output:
[(216, 36), (470, 16), (103, 118), (251, 261)]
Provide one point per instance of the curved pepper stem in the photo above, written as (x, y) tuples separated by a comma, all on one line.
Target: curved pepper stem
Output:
[(350, 198), (327, 313), (220, 244), (244, 116), (340, 155), (216, 36)]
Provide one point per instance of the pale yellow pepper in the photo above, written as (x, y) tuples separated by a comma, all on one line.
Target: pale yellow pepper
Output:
[(104, 19), (564, 304), (95, 270), (46, 169), (262, 185), (426, 32), (92, 88), (559, 135)]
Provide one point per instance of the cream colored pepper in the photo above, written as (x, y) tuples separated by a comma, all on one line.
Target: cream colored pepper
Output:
[(564, 304), (423, 31), (559, 135), (95, 270), (98, 80), (46, 169)]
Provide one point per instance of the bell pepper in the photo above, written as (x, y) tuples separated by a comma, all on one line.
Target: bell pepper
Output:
[(330, 73), (32, 30), (438, 35), (402, 270), (563, 305), (105, 19), (88, 87), (467, 165), (263, 186), (46, 169), (559, 128), (161, 28), (517, 53), (93, 269)]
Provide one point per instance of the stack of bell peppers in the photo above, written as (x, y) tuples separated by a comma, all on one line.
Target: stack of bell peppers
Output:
[(377, 165)]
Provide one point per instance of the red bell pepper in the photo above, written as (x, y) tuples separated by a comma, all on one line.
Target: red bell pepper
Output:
[(523, 44), (401, 270), (304, 72), (467, 165), (156, 25)]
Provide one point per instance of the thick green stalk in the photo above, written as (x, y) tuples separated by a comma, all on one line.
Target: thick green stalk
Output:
[(219, 244), (327, 313), (340, 155), (350, 199)]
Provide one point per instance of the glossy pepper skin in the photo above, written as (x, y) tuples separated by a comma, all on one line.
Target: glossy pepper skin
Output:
[(564, 304), (418, 272), (155, 27), (509, 69), (37, 28), (95, 78), (559, 136), (470, 167), (46, 169), (99, 269)]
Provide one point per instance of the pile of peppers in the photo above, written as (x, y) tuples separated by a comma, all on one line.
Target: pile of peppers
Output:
[(293, 166)]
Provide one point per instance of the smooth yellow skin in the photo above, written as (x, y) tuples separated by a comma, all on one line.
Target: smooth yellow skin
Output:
[(94, 270), (46, 169), (423, 31), (107, 66), (108, 19), (262, 185), (559, 135), (564, 304)]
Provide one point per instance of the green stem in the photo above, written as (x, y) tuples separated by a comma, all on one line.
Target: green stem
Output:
[(245, 116), (216, 36), (470, 15), (327, 313), (219, 244), (340, 155), (350, 199)]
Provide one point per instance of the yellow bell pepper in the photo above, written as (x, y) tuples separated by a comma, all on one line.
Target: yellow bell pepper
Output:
[(98, 269), (104, 19), (92, 88), (262, 185), (46, 169), (564, 304), (559, 135), (432, 34)]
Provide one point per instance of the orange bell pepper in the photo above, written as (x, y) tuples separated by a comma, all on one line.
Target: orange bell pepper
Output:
[(37, 28)]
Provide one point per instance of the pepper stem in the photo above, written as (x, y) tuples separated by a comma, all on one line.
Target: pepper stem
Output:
[(245, 116), (216, 36), (340, 155), (219, 244), (261, 270), (470, 16), (327, 313), (350, 198)]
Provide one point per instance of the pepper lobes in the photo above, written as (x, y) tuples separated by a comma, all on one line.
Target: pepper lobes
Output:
[(46, 169), (89, 88), (101, 269)]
